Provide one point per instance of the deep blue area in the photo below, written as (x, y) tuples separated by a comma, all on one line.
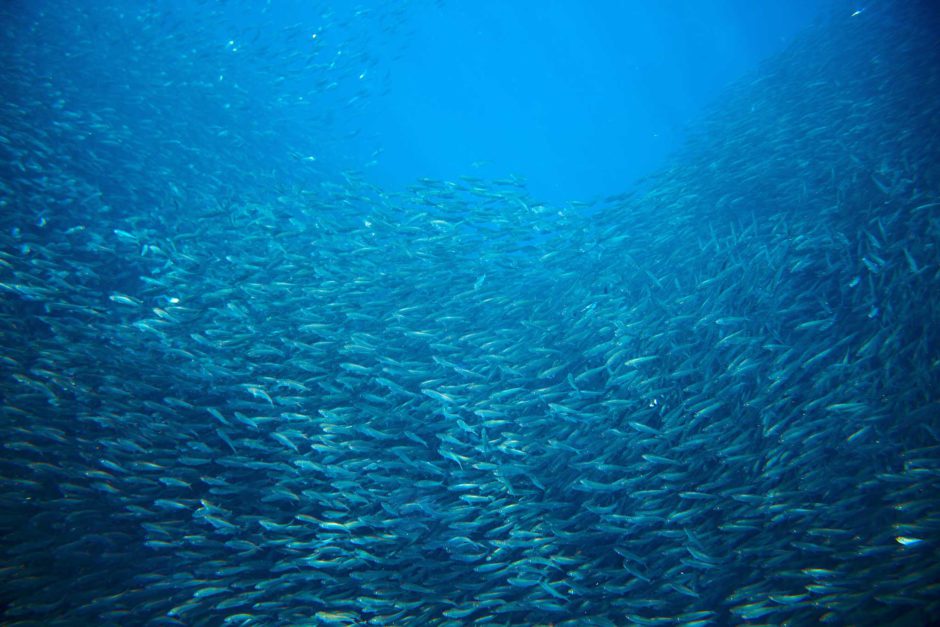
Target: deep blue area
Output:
[(579, 98)]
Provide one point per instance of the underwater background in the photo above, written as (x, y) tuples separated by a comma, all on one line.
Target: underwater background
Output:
[(409, 313)]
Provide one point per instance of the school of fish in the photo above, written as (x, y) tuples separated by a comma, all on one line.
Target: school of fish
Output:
[(238, 390)]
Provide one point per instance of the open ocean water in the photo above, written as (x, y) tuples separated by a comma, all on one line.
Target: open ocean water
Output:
[(416, 313)]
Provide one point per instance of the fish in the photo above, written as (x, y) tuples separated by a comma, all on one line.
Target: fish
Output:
[(240, 385)]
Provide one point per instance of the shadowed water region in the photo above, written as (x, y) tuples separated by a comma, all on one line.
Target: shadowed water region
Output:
[(241, 386)]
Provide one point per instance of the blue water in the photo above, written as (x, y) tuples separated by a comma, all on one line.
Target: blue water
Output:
[(578, 99)]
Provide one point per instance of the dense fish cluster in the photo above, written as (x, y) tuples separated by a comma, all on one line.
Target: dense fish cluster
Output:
[(233, 394)]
